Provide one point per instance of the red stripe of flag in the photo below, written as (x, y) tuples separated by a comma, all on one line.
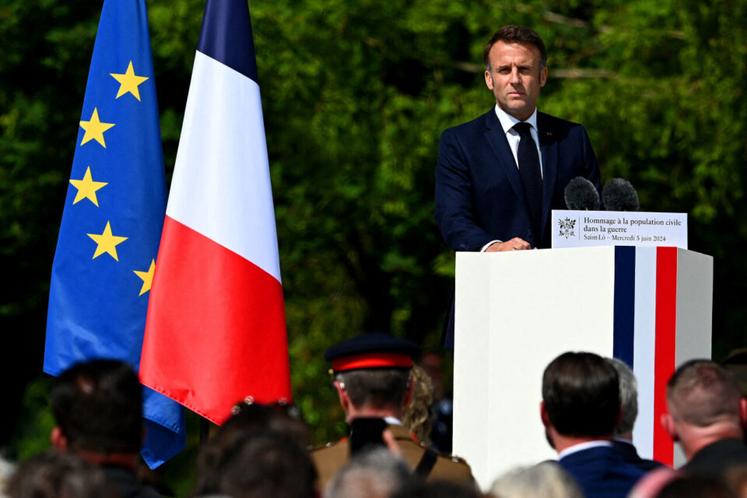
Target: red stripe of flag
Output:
[(666, 322), (232, 315)]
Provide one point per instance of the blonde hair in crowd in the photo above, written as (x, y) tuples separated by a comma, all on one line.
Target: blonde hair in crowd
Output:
[(417, 414)]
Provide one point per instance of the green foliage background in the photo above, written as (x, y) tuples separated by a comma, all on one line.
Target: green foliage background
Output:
[(355, 95)]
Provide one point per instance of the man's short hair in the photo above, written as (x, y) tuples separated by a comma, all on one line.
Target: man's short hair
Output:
[(259, 465), (377, 388), (247, 419), (628, 397), (516, 34), (58, 475), (702, 393), (98, 407), (581, 394)]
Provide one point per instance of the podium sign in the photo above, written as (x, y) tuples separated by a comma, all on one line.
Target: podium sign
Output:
[(618, 228), (516, 311)]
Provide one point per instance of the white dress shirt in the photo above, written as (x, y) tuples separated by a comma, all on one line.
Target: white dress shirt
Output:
[(512, 136)]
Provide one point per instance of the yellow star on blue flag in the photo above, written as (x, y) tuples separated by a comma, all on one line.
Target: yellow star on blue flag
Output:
[(146, 277), (87, 188), (129, 82), (94, 129)]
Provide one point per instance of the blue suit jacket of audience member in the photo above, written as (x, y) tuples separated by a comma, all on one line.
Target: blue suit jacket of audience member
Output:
[(602, 472), (630, 455), (479, 193)]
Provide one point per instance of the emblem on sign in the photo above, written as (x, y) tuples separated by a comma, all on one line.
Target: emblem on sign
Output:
[(566, 227)]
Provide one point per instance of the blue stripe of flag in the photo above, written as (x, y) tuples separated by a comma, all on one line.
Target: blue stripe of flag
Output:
[(624, 321), (225, 37)]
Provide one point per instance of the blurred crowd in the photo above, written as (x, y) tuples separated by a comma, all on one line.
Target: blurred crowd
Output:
[(399, 441)]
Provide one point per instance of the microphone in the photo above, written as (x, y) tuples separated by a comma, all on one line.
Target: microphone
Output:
[(581, 195), (619, 195)]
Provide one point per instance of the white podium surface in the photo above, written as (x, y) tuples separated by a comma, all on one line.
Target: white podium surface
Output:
[(516, 311)]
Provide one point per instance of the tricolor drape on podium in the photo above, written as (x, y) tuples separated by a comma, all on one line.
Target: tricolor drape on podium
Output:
[(112, 219), (515, 312), (215, 330), (652, 330)]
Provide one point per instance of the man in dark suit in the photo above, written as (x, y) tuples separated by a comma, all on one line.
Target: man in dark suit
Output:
[(707, 417), (499, 175), (580, 408)]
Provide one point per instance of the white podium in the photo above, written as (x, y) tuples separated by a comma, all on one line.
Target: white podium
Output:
[(516, 311)]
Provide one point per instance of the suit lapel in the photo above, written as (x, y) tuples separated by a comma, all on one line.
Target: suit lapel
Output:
[(496, 138), (548, 149)]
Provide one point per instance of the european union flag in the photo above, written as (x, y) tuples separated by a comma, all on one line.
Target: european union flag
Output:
[(111, 224)]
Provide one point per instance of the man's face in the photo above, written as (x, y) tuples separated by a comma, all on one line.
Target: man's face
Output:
[(515, 76)]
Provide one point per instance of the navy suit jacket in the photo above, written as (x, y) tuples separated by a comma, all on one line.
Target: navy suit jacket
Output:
[(630, 455), (602, 472), (479, 194)]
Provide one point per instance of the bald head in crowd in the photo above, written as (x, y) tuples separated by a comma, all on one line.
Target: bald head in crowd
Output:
[(706, 416), (704, 404)]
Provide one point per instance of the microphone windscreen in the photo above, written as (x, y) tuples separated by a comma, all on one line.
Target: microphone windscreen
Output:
[(581, 195), (619, 195)]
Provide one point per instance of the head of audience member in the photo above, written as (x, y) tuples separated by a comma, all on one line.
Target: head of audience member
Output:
[(628, 399), (281, 416), (580, 399), (544, 480), (97, 408), (437, 489), (372, 375), (247, 418), (58, 475), (417, 416), (696, 487), (371, 474), (258, 465), (515, 69), (704, 405)]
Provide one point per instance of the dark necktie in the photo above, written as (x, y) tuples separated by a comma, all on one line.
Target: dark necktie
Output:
[(531, 177)]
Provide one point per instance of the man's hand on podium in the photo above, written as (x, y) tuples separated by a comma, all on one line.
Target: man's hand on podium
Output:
[(515, 244)]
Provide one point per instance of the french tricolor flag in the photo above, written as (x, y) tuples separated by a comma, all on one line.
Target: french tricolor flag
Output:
[(215, 330)]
